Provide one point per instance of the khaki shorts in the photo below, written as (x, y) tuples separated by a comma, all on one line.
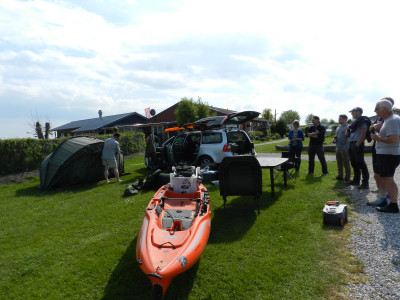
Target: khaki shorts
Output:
[(112, 163)]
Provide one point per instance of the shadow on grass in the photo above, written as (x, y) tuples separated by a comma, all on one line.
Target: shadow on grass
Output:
[(232, 224), (36, 191), (127, 281)]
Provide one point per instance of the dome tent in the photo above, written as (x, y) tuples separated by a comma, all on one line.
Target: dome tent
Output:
[(75, 161)]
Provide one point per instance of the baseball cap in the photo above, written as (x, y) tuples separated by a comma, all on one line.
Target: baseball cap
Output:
[(357, 109)]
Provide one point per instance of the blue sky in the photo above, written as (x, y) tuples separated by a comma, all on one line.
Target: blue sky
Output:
[(62, 61)]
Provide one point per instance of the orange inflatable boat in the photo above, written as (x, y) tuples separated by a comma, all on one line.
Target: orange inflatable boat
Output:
[(174, 231)]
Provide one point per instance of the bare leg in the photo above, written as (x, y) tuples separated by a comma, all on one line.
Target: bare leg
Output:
[(106, 174), (116, 173), (391, 187), (380, 185)]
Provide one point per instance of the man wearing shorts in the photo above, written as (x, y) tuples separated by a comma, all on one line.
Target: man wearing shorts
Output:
[(382, 194), (387, 153), (111, 148)]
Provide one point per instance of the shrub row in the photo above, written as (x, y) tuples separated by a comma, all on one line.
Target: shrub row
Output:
[(261, 136), (20, 155)]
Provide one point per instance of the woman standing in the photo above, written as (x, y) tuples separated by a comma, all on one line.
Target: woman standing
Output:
[(296, 138)]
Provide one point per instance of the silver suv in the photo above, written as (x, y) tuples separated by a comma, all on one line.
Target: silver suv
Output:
[(213, 139)]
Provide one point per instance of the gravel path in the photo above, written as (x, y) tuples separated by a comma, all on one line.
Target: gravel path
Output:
[(375, 241)]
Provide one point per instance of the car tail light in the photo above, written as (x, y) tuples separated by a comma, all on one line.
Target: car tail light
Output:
[(227, 148)]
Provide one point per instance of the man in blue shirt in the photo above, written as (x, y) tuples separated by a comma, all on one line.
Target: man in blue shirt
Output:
[(111, 148)]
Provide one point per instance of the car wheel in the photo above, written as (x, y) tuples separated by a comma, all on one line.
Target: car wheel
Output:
[(204, 161), (151, 163)]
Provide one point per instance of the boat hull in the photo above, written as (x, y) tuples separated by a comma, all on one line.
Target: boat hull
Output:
[(174, 232)]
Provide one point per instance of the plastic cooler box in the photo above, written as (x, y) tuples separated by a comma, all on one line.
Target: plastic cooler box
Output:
[(334, 213), (183, 184)]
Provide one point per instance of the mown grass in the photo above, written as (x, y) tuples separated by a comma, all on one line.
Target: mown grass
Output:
[(80, 243)]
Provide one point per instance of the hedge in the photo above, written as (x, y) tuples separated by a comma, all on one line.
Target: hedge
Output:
[(21, 155)]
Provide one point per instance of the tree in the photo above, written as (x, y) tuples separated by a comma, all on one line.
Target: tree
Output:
[(309, 118), (189, 111), (332, 121), (280, 127), (35, 125), (267, 114), (289, 116), (324, 120), (203, 111)]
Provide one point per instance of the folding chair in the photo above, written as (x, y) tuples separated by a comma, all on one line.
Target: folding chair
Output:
[(289, 167), (240, 176)]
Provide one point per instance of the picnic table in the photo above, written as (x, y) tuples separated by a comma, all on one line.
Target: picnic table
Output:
[(270, 163)]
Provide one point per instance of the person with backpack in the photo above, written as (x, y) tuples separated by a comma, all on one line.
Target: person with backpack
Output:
[(357, 133)]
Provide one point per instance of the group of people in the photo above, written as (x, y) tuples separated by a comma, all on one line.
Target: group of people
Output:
[(349, 139)]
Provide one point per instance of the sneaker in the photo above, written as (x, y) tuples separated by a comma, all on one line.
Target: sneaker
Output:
[(363, 187), (309, 172), (325, 173), (377, 201), (383, 202), (338, 178), (390, 208), (347, 181)]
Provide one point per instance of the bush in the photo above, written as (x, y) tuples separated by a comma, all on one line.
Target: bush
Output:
[(280, 127), (276, 136), (256, 135), (20, 155)]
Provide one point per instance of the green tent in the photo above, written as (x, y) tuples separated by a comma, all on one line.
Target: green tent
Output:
[(75, 161)]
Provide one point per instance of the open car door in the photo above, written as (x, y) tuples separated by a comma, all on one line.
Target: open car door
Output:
[(239, 118)]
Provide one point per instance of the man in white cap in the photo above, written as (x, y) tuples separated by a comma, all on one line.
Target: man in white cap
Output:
[(357, 133), (387, 153)]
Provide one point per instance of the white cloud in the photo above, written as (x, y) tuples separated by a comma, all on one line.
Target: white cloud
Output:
[(72, 58)]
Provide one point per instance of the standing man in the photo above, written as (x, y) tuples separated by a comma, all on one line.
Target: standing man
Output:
[(387, 153), (111, 148), (316, 133), (382, 194), (357, 132), (342, 146)]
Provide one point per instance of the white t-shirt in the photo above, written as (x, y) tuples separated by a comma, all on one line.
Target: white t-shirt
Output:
[(390, 126)]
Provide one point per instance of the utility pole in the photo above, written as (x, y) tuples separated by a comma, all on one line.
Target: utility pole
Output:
[(275, 115)]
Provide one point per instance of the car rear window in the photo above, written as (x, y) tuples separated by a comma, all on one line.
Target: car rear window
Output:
[(212, 138), (236, 136)]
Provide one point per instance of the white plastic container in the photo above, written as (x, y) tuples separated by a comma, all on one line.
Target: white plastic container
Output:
[(184, 185)]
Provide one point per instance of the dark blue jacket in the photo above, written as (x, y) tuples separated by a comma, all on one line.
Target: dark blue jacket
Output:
[(300, 135)]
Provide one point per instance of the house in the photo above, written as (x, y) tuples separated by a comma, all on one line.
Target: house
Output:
[(136, 122), (167, 119), (100, 125)]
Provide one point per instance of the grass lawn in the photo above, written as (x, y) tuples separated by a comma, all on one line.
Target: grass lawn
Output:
[(80, 243)]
